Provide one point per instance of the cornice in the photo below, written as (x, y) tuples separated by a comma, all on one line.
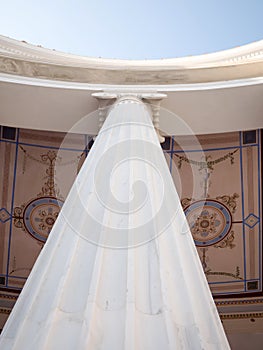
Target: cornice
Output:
[(148, 88), (19, 58), (15, 48), (127, 76)]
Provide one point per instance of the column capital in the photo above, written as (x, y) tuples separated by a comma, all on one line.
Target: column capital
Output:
[(153, 99)]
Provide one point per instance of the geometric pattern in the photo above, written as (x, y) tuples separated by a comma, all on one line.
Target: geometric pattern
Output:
[(4, 215), (251, 220)]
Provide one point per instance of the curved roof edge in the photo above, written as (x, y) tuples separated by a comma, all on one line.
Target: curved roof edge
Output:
[(22, 59)]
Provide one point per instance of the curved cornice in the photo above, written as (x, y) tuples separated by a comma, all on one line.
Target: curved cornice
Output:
[(59, 84), (22, 59)]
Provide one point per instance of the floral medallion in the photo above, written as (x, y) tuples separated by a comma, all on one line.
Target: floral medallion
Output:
[(210, 221), (40, 215)]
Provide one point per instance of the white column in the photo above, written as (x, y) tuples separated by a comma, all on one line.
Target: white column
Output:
[(120, 269)]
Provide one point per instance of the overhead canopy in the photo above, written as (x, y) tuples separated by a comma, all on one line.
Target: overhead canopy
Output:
[(49, 90)]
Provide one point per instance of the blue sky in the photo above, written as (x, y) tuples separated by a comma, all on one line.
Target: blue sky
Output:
[(138, 29)]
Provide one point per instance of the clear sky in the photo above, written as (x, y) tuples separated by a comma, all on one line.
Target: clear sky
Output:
[(138, 29)]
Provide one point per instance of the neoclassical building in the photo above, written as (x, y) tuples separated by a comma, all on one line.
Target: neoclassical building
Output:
[(208, 113)]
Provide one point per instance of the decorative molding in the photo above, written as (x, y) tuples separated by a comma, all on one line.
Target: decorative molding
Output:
[(125, 76), (23, 59), (5, 311), (241, 315), (256, 55), (8, 296), (34, 81), (244, 53), (239, 302)]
